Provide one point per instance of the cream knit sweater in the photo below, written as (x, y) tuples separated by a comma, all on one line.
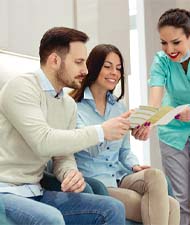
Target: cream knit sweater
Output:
[(35, 127)]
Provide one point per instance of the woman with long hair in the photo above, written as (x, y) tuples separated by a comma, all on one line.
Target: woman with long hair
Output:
[(142, 189)]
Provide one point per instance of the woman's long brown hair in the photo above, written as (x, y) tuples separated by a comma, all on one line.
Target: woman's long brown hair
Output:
[(94, 63)]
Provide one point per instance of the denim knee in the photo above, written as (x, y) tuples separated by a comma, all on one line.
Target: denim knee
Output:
[(50, 217), (118, 205), (53, 217), (115, 207)]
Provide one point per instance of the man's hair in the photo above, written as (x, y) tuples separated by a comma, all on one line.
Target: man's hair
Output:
[(178, 18), (58, 40), (94, 64)]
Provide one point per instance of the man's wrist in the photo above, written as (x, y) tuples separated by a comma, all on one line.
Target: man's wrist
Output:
[(68, 171), (100, 133)]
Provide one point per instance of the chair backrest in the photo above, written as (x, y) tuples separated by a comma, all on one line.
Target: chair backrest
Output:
[(13, 65)]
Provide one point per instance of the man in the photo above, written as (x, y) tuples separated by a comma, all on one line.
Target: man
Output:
[(37, 122)]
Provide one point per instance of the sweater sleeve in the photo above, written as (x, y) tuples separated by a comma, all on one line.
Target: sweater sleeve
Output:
[(63, 164), (20, 104)]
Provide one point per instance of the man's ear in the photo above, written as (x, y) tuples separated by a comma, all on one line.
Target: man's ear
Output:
[(54, 61)]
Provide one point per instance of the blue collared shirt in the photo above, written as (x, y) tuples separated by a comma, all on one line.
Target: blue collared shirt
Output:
[(46, 84), (110, 160)]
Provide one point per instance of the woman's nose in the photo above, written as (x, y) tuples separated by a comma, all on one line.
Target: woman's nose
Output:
[(170, 49)]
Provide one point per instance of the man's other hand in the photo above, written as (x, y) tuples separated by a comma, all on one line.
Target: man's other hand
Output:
[(73, 182)]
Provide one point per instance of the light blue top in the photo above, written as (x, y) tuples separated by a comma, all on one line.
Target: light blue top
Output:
[(47, 86), (171, 75), (110, 160)]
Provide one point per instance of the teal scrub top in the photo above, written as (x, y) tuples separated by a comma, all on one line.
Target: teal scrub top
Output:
[(171, 75)]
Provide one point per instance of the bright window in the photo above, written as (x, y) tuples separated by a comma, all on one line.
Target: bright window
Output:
[(136, 80)]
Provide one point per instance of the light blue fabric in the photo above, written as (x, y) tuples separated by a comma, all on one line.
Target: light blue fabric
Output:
[(3, 219), (110, 160), (46, 84), (165, 72), (186, 57)]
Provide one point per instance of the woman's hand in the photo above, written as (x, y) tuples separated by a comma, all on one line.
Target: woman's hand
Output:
[(142, 132), (138, 168), (184, 115)]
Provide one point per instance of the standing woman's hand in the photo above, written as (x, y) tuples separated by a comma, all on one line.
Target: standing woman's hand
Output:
[(184, 115)]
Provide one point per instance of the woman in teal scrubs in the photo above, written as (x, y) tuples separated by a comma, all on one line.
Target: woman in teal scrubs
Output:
[(170, 85)]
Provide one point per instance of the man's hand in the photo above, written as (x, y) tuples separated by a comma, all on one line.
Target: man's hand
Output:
[(184, 115), (138, 168), (117, 127), (73, 182), (141, 132)]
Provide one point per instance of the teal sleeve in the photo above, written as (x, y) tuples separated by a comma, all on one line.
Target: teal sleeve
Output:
[(158, 71)]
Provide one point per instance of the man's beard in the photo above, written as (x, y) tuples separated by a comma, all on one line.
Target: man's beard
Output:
[(74, 84)]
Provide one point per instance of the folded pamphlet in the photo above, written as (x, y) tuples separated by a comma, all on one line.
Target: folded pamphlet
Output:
[(156, 116)]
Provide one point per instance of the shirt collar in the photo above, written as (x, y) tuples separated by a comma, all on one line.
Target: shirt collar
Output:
[(111, 99), (88, 94), (46, 84)]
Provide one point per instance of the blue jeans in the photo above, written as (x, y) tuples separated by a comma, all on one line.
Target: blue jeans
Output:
[(60, 208), (93, 186), (3, 219)]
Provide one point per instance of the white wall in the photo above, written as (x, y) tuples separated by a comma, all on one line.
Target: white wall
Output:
[(105, 21), (23, 22), (87, 20)]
